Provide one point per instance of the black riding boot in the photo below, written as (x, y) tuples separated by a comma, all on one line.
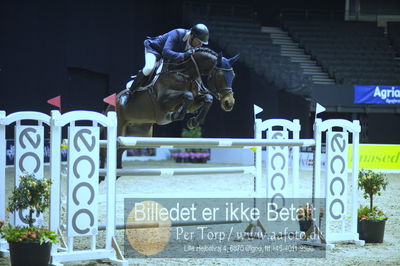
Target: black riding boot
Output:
[(137, 82)]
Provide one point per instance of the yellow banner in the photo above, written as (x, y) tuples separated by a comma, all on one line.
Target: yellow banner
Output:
[(376, 156)]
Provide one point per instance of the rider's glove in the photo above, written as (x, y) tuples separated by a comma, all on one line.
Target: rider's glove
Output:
[(188, 53)]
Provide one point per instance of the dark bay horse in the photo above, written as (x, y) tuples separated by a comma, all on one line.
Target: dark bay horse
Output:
[(178, 90)]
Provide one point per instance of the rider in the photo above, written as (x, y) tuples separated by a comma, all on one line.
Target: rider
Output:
[(176, 45)]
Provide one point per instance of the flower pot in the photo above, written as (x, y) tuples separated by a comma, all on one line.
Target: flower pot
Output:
[(305, 225), (29, 253), (371, 231), (203, 160)]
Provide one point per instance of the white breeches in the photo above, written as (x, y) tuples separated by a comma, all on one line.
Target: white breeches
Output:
[(150, 63)]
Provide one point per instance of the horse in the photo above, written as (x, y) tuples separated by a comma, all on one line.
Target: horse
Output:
[(176, 90)]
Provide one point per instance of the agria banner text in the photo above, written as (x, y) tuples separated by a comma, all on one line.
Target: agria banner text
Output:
[(377, 94)]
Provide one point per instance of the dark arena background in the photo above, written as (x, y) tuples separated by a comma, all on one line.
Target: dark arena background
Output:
[(293, 54)]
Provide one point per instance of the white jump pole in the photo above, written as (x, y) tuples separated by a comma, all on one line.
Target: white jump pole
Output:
[(147, 142), (182, 171)]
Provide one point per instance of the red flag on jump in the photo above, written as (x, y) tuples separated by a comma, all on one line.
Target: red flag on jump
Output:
[(56, 101), (111, 100)]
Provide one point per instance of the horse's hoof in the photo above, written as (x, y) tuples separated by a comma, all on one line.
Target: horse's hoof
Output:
[(192, 123)]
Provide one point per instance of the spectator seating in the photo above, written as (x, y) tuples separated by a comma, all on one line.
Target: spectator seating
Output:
[(352, 52), (394, 35), (239, 35)]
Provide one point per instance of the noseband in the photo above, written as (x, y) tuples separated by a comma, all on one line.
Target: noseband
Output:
[(220, 92)]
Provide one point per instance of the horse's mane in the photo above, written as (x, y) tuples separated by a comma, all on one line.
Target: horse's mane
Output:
[(206, 52), (208, 60)]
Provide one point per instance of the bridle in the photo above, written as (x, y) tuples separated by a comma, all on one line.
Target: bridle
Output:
[(220, 92)]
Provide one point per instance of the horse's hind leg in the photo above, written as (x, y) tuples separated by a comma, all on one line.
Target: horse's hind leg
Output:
[(138, 130), (103, 155), (121, 131), (120, 151)]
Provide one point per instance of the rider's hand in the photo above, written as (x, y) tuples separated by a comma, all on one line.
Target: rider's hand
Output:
[(188, 53)]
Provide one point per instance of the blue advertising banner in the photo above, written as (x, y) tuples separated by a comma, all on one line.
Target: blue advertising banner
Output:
[(377, 94)]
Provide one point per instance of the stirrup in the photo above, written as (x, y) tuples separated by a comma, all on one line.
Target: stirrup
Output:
[(124, 98)]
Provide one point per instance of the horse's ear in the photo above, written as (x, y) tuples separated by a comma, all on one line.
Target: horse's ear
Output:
[(234, 59), (219, 59)]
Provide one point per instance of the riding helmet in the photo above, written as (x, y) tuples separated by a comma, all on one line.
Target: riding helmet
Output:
[(200, 31)]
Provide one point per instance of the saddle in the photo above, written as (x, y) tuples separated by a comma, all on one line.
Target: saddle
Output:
[(150, 80), (148, 85)]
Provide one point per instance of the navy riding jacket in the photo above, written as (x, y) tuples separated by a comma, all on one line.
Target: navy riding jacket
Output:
[(170, 45)]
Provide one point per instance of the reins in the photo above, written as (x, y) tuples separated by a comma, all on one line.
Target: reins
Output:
[(198, 80)]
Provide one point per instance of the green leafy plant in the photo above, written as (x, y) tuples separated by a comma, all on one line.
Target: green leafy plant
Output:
[(191, 133), (33, 195), (27, 234), (195, 133), (372, 184), (364, 213)]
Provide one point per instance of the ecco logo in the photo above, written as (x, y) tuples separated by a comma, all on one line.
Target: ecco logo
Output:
[(337, 173), (278, 168), (83, 170)]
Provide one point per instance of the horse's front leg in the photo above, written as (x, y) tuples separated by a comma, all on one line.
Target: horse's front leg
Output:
[(204, 103), (178, 101)]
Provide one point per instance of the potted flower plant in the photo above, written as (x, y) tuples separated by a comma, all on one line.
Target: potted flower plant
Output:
[(29, 245), (305, 216), (191, 133), (192, 155), (199, 156), (183, 157), (371, 220)]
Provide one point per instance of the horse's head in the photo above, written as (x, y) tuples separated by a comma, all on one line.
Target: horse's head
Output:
[(220, 81)]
